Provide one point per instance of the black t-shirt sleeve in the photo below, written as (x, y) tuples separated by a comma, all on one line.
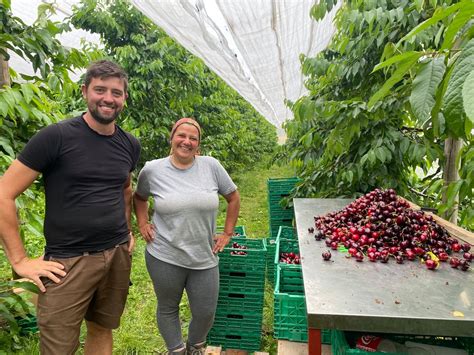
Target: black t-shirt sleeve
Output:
[(42, 149)]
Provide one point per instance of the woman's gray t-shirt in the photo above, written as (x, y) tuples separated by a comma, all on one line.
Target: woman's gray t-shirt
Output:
[(186, 202)]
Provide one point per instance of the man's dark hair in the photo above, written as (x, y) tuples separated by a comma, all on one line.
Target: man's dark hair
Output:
[(105, 69)]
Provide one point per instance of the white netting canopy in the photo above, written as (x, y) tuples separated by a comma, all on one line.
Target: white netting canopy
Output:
[(254, 45)]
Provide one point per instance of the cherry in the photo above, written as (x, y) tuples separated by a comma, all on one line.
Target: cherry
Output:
[(456, 247), (359, 256), (411, 255), (443, 256), (352, 251), (464, 265), (467, 256), (326, 255), (311, 230), (454, 262), (431, 264), (318, 235), (466, 247)]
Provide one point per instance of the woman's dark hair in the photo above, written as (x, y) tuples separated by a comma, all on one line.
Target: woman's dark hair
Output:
[(105, 69)]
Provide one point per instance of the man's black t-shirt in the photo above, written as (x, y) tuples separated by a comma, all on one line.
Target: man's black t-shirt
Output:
[(84, 175)]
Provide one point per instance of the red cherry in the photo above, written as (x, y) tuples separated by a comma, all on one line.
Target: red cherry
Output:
[(431, 264)]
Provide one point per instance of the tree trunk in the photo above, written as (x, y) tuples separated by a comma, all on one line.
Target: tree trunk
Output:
[(452, 147), (4, 73)]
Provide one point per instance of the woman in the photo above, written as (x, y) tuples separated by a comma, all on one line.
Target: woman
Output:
[(181, 248)]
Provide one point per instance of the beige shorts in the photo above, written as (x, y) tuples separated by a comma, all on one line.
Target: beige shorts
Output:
[(95, 288)]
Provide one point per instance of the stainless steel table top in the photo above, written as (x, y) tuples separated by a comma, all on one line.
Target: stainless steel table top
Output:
[(375, 297)]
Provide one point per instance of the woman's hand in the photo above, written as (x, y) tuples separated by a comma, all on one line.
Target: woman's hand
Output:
[(147, 231), (221, 240)]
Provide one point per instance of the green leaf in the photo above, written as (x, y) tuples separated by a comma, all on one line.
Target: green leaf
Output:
[(402, 69), (460, 19), (350, 176), (425, 84), (26, 285), (438, 15), (452, 192), (5, 144), (53, 83), (468, 95), (3, 107), (396, 59), (453, 98), (307, 139), (318, 11), (380, 154), (419, 4), (27, 91)]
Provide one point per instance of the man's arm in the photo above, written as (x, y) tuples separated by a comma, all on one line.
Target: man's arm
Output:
[(232, 214), (17, 179), (147, 230)]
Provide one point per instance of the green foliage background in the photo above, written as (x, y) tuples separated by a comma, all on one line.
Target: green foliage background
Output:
[(360, 128), (167, 83)]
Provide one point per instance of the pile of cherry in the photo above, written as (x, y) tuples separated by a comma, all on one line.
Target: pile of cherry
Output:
[(379, 226), (290, 258), (236, 245)]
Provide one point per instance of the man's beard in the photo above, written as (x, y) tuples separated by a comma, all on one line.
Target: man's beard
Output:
[(103, 119)]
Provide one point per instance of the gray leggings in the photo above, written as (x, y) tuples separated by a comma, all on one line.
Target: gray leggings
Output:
[(202, 288)]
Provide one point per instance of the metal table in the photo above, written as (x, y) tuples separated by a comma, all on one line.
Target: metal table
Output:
[(375, 297)]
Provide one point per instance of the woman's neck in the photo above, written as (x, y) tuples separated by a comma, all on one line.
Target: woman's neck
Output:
[(180, 164)]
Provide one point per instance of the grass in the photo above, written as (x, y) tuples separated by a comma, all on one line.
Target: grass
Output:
[(138, 333)]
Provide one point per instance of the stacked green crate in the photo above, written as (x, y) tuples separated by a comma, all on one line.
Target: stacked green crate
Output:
[(340, 343), (278, 215), (290, 320), (284, 232), (239, 231), (238, 320), (284, 245)]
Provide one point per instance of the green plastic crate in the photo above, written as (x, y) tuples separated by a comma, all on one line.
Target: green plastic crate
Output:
[(271, 247), (340, 342), (238, 324), (275, 225), (243, 340), (280, 186), (287, 232), (28, 324), (232, 299), (254, 259), (286, 246), (239, 231), (242, 280), (239, 315), (290, 318)]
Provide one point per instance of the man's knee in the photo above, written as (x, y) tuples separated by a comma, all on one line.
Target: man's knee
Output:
[(95, 329)]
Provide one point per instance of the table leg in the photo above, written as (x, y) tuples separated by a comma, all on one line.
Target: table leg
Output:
[(314, 341)]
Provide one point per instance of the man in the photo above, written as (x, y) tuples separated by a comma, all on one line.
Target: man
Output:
[(86, 163)]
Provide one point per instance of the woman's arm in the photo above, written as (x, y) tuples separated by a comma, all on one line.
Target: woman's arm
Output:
[(147, 230), (232, 214)]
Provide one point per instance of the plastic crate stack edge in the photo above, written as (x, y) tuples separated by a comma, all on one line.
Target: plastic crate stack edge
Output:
[(279, 216), (239, 314), (285, 232)]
